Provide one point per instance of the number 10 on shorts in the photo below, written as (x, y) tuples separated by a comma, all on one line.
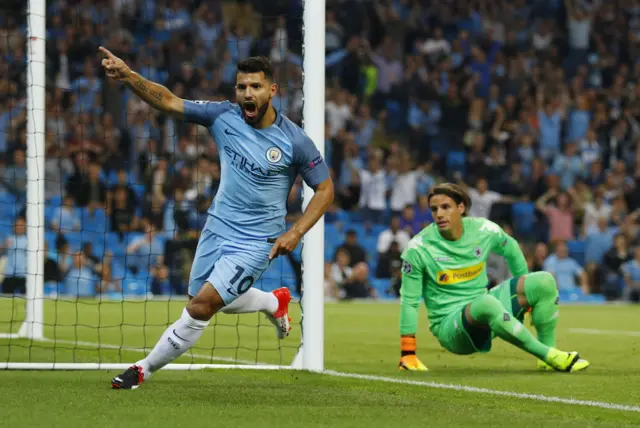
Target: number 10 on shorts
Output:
[(243, 285)]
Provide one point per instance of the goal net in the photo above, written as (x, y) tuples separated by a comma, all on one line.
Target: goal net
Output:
[(102, 199)]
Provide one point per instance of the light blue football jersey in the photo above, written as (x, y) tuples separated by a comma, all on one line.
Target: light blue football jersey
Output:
[(258, 168)]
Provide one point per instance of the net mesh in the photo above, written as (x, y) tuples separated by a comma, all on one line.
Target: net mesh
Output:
[(127, 189)]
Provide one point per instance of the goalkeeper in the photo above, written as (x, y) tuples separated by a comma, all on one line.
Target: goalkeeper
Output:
[(446, 264)]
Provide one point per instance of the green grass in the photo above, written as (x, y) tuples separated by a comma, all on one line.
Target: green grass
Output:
[(360, 338)]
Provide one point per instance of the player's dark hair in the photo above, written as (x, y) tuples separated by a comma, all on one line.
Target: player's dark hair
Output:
[(256, 64), (455, 192)]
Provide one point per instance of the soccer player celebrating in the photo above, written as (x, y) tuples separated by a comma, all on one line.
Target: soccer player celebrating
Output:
[(446, 264), (261, 153)]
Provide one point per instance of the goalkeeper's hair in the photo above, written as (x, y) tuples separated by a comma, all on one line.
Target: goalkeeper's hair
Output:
[(455, 192), (256, 64)]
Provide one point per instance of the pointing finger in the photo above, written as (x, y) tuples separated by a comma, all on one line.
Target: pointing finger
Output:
[(274, 251), (107, 52)]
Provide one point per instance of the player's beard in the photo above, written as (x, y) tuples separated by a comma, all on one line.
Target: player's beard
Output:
[(261, 111)]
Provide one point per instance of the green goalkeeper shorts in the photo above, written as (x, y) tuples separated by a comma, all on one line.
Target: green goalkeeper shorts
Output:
[(456, 335)]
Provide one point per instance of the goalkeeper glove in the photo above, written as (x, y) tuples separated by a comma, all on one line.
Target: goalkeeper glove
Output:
[(408, 359)]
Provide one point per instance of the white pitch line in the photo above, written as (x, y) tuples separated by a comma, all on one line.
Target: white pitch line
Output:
[(536, 397), (436, 385), (605, 332), (145, 350)]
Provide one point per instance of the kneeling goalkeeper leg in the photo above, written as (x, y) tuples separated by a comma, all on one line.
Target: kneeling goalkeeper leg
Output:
[(541, 293), (489, 311)]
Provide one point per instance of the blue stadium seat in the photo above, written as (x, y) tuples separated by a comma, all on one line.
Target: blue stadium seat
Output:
[(50, 239), (342, 216), (75, 240), (330, 230), (381, 286), (54, 201), (356, 217), (370, 244), (577, 250), (377, 229), (523, 214), (6, 230), (96, 222), (456, 162), (7, 197), (138, 190)]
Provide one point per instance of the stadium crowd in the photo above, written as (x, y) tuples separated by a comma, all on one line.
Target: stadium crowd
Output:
[(531, 105)]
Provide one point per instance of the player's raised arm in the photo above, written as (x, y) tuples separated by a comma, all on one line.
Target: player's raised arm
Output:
[(154, 94), (410, 294)]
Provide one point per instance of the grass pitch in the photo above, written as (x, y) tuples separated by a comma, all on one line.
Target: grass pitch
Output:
[(359, 338)]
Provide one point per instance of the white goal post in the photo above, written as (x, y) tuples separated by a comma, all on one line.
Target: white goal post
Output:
[(310, 355)]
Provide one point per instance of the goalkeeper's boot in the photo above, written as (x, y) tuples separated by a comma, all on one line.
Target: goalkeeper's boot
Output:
[(544, 366), (280, 318), (566, 361), (411, 362), (131, 378)]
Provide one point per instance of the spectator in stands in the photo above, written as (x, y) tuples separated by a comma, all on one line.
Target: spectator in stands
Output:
[(122, 180), (595, 210), (122, 214), (617, 256), (15, 259), (482, 199), (331, 290), (350, 279), (565, 269), (423, 212), (389, 261), (160, 281), (631, 270), (64, 256), (598, 242), (540, 254), (65, 218), (409, 222), (80, 281), (568, 165), (89, 187), (405, 184), (561, 216), (393, 234), (146, 251), (15, 175), (357, 254), (373, 191)]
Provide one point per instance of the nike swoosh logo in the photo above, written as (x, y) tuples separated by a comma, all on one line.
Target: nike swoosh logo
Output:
[(226, 131), (174, 332)]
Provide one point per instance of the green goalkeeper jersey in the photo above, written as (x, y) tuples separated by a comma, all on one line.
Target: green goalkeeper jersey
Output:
[(450, 274)]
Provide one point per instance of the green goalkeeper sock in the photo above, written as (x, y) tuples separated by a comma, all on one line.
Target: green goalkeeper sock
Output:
[(542, 294), (487, 309)]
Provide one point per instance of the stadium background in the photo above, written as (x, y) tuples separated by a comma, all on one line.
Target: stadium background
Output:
[(531, 105)]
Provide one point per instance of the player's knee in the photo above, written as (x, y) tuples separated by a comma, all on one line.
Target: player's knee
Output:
[(544, 283), (205, 304), (486, 307)]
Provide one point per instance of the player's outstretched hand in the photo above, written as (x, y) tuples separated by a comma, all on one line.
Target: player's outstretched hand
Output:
[(114, 66), (285, 244)]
